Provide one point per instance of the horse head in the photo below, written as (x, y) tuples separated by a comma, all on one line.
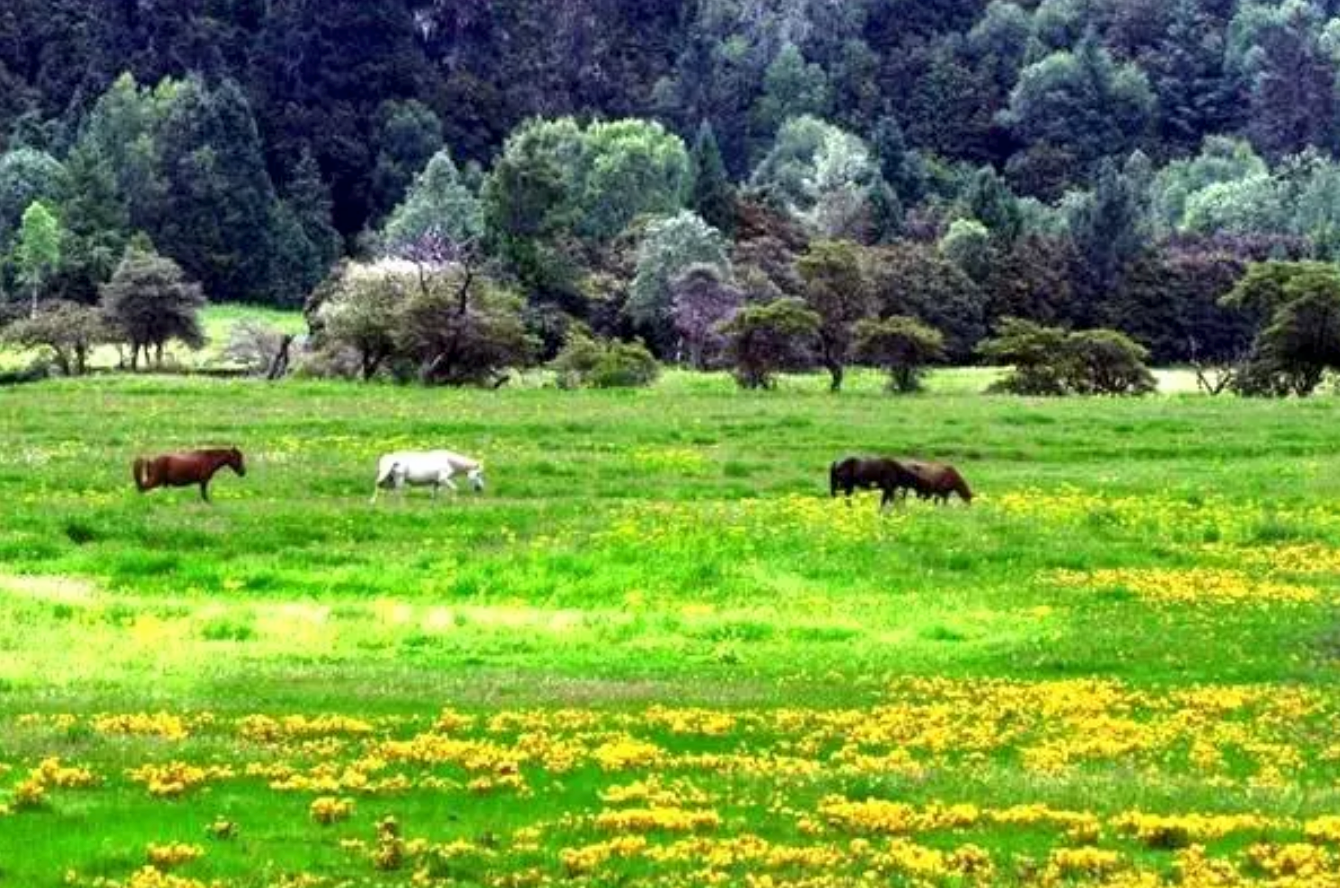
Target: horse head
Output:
[(235, 461), (476, 476)]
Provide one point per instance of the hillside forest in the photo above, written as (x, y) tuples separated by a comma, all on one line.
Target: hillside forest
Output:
[(684, 172)]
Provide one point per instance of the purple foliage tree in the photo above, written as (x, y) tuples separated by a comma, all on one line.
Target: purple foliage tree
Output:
[(701, 302)]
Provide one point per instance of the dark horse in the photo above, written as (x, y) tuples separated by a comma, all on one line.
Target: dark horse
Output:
[(186, 469), (936, 480), (888, 475)]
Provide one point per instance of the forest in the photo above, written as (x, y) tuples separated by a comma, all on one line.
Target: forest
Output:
[(649, 169)]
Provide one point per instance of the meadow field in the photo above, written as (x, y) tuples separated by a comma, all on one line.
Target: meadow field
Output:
[(655, 652)]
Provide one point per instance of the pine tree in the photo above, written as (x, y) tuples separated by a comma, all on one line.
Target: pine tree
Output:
[(98, 222), (218, 216), (1197, 97), (713, 194)]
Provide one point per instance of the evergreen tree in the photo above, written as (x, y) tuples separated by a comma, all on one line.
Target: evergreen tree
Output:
[(98, 222), (901, 167), (1081, 102), (218, 212), (409, 136), (1196, 95), (1292, 84), (439, 205), (1109, 231), (990, 201), (327, 66), (713, 195), (308, 197), (792, 87)]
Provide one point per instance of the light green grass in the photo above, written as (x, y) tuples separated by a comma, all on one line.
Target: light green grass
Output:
[(669, 547)]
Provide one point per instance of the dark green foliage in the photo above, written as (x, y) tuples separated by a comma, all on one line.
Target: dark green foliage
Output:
[(713, 195), (595, 363), (1052, 361), (901, 167), (990, 201), (1195, 94), (1170, 303), (1082, 102), (837, 290), (218, 212), (915, 280), (901, 345), (1300, 337), (1108, 229), (764, 340), (408, 135), (98, 224), (308, 244), (148, 302)]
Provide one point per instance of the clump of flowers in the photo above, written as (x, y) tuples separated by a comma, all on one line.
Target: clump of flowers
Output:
[(165, 857), (326, 810), (176, 778)]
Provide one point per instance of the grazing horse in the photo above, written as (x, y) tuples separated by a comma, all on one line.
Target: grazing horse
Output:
[(186, 469), (434, 468), (936, 481), (889, 475)]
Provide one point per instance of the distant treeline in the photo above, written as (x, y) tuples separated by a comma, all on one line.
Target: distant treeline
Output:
[(624, 165)]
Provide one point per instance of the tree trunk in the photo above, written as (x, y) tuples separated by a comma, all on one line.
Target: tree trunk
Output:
[(837, 371), (158, 355), (134, 357), (279, 364)]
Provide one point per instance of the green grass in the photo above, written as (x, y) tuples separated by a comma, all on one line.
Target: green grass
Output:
[(666, 548), (216, 320)]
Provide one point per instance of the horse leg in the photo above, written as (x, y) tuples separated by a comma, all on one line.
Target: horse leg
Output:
[(204, 490)]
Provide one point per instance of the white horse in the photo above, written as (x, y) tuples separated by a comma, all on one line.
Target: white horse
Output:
[(434, 468)]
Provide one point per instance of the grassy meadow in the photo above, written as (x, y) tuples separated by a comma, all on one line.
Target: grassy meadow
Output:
[(655, 652)]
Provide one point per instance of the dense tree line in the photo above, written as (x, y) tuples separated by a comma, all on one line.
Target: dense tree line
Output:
[(907, 175)]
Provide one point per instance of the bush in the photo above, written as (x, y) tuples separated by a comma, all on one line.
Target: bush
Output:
[(901, 345), (589, 363), (1052, 361), (766, 339)]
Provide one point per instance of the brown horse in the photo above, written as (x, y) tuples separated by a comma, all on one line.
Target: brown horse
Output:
[(888, 475), (936, 481), (186, 469)]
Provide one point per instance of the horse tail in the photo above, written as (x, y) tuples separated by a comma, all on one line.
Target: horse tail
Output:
[(833, 472), (141, 474)]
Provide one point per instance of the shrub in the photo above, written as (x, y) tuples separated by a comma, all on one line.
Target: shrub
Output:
[(901, 345), (1052, 361), (765, 339), (590, 363)]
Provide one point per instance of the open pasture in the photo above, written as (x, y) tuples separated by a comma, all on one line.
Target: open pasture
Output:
[(656, 652)]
